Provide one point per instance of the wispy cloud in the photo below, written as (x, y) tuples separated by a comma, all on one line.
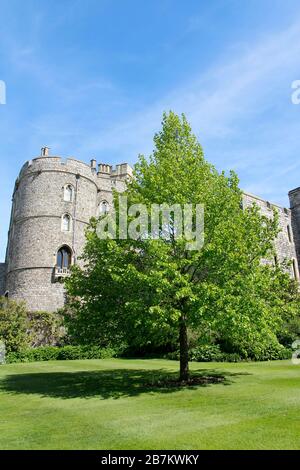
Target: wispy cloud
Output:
[(220, 103)]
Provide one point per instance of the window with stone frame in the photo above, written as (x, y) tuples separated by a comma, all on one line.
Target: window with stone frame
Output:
[(66, 223), (68, 193)]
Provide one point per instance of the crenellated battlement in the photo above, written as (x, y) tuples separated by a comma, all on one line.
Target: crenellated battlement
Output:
[(72, 165), (120, 170), (56, 163)]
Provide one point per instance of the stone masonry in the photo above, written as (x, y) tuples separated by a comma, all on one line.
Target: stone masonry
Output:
[(2, 277), (44, 221), (286, 241), (36, 228)]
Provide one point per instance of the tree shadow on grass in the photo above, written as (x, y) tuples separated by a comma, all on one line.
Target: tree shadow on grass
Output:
[(113, 383)]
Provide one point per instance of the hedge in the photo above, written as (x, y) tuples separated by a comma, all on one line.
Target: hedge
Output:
[(53, 353), (205, 353), (213, 353)]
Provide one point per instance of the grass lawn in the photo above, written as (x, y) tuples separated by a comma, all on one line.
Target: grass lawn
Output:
[(111, 404)]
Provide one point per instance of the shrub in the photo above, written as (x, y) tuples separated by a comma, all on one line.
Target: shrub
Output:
[(231, 357), (20, 330), (53, 353), (213, 353), (46, 329), (204, 353), (13, 325), (272, 352), (290, 331), (47, 353)]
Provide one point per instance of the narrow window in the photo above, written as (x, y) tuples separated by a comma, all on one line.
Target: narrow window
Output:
[(66, 223), (68, 193), (289, 233), (64, 257), (103, 208), (275, 260), (295, 269)]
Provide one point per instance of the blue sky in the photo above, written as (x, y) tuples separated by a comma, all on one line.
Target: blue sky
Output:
[(92, 79)]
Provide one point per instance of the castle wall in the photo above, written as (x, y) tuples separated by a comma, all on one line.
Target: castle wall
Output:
[(285, 243), (2, 278), (36, 232), (295, 208), (37, 288)]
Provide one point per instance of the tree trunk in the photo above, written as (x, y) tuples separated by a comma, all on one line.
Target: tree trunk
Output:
[(184, 350)]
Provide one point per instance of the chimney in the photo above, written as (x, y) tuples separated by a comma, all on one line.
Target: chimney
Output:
[(45, 151), (93, 164)]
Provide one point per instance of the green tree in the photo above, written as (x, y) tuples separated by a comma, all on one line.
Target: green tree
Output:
[(13, 325), (144, 290)]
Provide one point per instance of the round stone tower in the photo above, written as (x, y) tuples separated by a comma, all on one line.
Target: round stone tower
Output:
[(53, 202)]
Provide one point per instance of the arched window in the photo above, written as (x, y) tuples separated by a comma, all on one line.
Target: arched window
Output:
[(289, 233), (64, 257), (66, 223), (103, 208), (68, 193)]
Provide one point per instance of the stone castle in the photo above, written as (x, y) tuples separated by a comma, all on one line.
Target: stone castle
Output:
[(53, 202)]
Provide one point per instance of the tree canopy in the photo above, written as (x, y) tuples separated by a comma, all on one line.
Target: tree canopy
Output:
[(150, 290)]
